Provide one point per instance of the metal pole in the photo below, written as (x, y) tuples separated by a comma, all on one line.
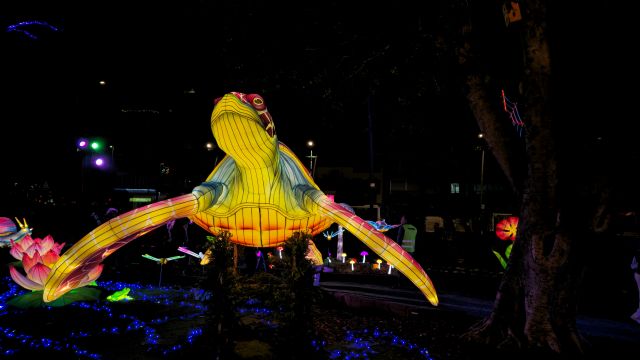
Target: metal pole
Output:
[(482, 181), (82, 166), (340, 249), (315, 165), (482, 223), (312, 158), (372, 194)]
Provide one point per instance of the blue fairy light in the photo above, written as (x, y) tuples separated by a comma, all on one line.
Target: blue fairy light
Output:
[(22, 27)]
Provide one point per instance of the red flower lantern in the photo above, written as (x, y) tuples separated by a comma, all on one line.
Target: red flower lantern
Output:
[(507, 228)]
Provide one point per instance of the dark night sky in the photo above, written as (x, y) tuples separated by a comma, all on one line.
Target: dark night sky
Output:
[(313, 72), (316, 69)]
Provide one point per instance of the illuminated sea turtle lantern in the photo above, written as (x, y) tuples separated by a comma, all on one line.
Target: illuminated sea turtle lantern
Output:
[(260, 192)]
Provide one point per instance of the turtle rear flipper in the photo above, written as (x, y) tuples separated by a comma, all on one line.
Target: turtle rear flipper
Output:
[(386, 248)]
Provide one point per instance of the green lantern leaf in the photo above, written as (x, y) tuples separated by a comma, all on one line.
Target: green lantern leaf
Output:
[(34, 299), (501, 259), (507, 252)]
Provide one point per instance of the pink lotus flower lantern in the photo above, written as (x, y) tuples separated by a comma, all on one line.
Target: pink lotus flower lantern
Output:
[(38, 256)]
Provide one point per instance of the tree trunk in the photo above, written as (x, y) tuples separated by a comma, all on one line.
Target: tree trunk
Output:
[(235, 259), (535, 307)]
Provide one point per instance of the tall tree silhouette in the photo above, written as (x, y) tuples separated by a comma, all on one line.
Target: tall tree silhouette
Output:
[(553, 169)]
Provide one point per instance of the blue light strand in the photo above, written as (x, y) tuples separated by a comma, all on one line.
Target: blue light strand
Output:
[(152, 339), (252, 307), (19, 27), (29, 342), (362, 344), (357, 344)]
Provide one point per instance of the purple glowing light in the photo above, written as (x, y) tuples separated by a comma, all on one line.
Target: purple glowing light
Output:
[(99, 162)]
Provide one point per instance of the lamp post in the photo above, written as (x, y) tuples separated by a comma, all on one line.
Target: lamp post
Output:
[(482, 207), (312, 168), (481, 136), (81, 145), (372, 196), (210, 146), (112, 148)]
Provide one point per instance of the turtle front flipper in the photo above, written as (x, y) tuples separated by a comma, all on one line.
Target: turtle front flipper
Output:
[(75, 267), (386, 248)]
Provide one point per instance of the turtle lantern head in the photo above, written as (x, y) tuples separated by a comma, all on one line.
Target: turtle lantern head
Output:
[(244, 129)]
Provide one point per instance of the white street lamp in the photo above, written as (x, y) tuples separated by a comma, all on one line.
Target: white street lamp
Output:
[(312, 158)]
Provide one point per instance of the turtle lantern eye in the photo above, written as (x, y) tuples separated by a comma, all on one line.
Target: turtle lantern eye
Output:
[(256, 101)]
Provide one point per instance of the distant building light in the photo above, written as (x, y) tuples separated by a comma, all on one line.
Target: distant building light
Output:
[(102, 82), (455, 188), (140, 200), (137, 191)]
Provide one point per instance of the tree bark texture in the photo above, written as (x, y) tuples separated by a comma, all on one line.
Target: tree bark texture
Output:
[(536, 304)]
